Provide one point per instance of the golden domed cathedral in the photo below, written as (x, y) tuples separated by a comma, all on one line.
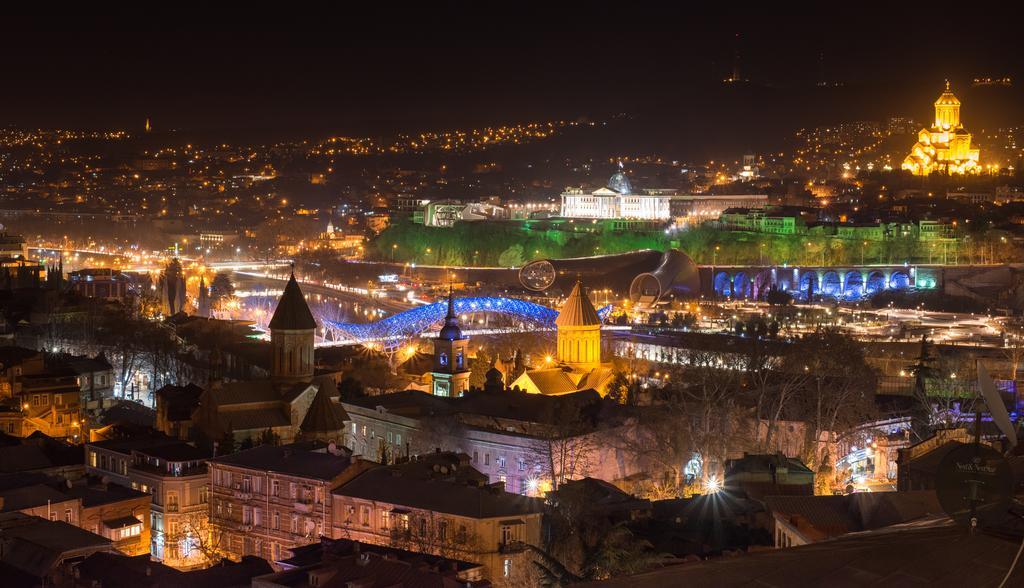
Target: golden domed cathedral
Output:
[(946, 146)]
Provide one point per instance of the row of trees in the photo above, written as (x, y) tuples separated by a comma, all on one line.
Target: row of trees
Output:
[(501, 243)]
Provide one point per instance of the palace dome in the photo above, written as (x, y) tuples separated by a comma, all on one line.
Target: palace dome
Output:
[(620, 183)]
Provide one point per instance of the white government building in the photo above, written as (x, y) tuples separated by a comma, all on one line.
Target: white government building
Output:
[(617, 200)]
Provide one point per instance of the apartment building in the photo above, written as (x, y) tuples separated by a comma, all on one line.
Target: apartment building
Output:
[(272, 498), (440, 505)]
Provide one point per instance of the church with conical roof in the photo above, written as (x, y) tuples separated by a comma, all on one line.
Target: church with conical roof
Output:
[(577, 364), (294, 403)]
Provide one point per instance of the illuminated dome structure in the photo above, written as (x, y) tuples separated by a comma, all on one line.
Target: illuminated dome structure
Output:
[(946, 146), (620, 183)]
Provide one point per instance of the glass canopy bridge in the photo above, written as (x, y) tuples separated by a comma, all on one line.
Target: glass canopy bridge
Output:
[(393, 331)]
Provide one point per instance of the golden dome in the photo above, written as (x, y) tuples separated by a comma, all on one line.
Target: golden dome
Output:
[(947, 98)]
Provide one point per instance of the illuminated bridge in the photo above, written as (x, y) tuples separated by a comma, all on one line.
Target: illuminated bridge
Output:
[(396, 329)]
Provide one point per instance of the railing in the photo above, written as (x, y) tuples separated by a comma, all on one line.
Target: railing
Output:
[(511, 546)]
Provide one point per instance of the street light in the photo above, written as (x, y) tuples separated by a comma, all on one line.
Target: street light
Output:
[(394, 246)]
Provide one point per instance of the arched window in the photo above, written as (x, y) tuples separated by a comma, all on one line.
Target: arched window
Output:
[(442, 359)]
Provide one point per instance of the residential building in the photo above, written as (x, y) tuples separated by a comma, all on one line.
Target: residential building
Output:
[(119, 514), (341, 562), (113, 570), (102, 283), (177, 477), (439, 504), (173, 475), (512, 436), (800, 520), (38, 552), (270, 498)]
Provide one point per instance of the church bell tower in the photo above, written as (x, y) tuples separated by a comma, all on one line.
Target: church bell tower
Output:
[(450, 376), (292, 330)]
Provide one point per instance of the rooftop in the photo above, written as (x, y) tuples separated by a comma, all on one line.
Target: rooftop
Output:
[(403, 485), (935, 556), (295, 460), (292, 312)]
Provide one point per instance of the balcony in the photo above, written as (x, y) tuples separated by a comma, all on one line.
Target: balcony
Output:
[(306, 507), (511, 547), (242, 494)]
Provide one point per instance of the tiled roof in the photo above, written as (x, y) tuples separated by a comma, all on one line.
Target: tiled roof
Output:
[(30, 497), (257, 418), (577, 311), (551, 380), (386, 484), (292, 312), (324, 415), (251, 391), (288, 459), (936, 556)]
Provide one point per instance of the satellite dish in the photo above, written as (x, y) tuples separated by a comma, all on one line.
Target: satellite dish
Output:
[(974, 479)]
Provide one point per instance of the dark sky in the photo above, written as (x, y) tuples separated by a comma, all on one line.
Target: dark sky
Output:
[(462, 65)]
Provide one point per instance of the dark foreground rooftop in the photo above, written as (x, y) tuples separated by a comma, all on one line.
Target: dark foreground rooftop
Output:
[(935, 556)]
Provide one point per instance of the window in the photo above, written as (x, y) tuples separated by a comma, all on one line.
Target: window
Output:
[(390, 437), (92, 458), (67, 515), (487, 459), (277, 521), (476, 457), (364, 516), (522, 464), (295, 524), (398, 438), (129, 531), (246, 483), (204, 494), (458, 360), (246, 515), (442, 359), (275, 487), (53, 515), (442, 530), (364, 430), (500, 461), (293, 490), (172, 502), (423, 527), (385, 519)]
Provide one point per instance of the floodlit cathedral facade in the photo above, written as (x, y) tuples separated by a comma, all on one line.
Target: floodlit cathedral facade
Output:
[(946, 146)]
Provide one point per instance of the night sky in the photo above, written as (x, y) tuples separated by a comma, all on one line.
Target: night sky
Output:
[(461, 66)]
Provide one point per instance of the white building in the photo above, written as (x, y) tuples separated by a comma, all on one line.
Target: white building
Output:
[(617, 200)]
